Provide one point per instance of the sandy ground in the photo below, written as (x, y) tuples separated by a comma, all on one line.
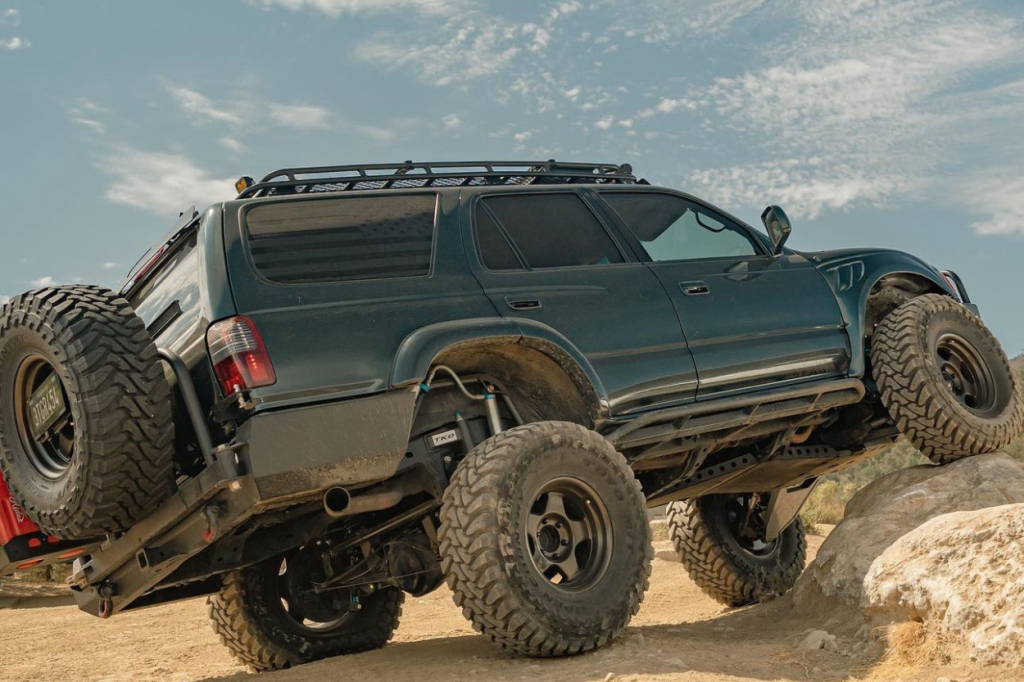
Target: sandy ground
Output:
[(679, 634)]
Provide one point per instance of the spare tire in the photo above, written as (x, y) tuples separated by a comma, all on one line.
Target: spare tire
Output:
[(86, 430)]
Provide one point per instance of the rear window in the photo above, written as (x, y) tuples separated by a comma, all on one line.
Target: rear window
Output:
[(549, 230), (331, 240)]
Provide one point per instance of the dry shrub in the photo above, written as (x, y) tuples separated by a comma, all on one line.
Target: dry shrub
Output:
[(912, 644)]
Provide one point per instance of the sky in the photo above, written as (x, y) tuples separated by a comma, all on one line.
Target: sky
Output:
[(893, 123)]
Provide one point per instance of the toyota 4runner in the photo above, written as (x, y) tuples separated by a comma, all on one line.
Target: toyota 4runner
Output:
[(353, 383)]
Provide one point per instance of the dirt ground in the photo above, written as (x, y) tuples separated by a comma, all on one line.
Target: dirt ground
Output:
[(679, 634)]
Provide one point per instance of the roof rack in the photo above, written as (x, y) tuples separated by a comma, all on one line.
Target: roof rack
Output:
[(435, 174)]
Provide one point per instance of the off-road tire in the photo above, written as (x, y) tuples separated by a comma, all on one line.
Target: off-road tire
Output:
[(718, 564), (909, 379), (119, 400), (486, 559), (261, 636)]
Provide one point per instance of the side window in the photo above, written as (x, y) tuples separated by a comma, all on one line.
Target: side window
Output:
[(549, 230), (495, 251), (671, 228), (331, 240)]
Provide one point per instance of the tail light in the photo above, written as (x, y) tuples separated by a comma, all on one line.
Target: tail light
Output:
[(240, 358)]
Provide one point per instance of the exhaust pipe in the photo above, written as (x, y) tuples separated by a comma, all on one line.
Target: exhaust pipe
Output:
[(339, 502)]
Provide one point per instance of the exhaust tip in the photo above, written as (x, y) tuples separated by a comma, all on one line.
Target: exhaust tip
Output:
[(336, 501)]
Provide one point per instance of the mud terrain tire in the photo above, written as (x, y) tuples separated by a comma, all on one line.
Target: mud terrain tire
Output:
[(499, 526), (110, 463), (945, 380), (722, 567), (249, 618)]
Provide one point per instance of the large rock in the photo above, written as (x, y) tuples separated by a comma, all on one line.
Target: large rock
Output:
[(890, 508), (962, 573), (940, 545)]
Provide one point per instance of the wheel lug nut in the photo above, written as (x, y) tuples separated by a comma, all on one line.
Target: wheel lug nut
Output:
[(565, 543)]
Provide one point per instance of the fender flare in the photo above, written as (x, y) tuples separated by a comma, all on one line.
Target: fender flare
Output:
[(853, 278), (420, 349)]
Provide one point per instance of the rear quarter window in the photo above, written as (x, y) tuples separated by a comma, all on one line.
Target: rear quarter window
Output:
[(335, 240)]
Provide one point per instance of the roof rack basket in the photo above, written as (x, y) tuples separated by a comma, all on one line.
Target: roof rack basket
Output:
[(435, 174)]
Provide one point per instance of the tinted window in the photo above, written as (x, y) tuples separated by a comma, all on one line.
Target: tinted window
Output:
[(671, 228), (550, 230), (342, 239), (494, 248)]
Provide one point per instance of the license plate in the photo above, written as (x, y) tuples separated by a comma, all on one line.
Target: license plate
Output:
[(46, 406)]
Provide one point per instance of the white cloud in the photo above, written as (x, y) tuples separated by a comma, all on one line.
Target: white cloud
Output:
[(335, 8), (160, 183), (1000, 196), (305, 116), (232, 145), (861, 108), (87, 114), (452, 121), (10, 17), (573, 93), (564, 9), (14, 43), (605, 122), (664, 21), (91, 124), (805, 187), (467, 51), (110, 266), (200, 107), (540, 37), (43, 282), (523, 136), (669, 105)]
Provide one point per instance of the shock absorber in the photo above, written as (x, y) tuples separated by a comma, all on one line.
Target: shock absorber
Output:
[(493, 418)]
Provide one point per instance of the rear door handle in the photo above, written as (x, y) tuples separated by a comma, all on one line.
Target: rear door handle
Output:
[(694, 288), (522, 303)]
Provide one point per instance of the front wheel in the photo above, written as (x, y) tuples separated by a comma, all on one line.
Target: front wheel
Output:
[(720, 540), (545, 541), (945, 380), (271, 617)]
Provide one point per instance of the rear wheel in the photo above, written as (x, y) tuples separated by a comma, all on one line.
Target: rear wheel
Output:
[(86, 429), (945, 380), (271, 616), (545, 540), (720, 540)]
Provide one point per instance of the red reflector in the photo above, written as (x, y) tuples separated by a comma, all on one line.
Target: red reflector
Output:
[(29, 564), (35, 543), (239, 356), (53, 540), (71, 553), (149, 264)]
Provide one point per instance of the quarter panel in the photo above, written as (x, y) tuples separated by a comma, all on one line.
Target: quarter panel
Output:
[(339, 339)]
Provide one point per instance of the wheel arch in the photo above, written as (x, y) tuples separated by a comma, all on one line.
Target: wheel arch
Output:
[(520, 350), (855, 280)]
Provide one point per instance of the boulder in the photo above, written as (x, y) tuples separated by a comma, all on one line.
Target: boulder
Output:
[(890, 508), (943, 546), (962, 573)]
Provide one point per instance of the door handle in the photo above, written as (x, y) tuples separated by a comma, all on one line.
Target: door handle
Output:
[(522, 303), (694, 288)]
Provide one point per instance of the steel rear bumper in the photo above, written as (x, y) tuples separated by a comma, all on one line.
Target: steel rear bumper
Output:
[(276, 459)]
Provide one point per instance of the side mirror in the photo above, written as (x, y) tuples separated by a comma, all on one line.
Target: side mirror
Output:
[(779, 228)]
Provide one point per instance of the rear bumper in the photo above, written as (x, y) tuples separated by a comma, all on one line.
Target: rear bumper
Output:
[(296, 452), (276, 459)]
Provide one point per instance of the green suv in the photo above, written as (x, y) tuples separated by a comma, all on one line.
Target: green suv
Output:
[(356, 382)]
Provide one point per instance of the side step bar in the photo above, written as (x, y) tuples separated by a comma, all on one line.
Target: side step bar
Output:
[(702, 418)]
